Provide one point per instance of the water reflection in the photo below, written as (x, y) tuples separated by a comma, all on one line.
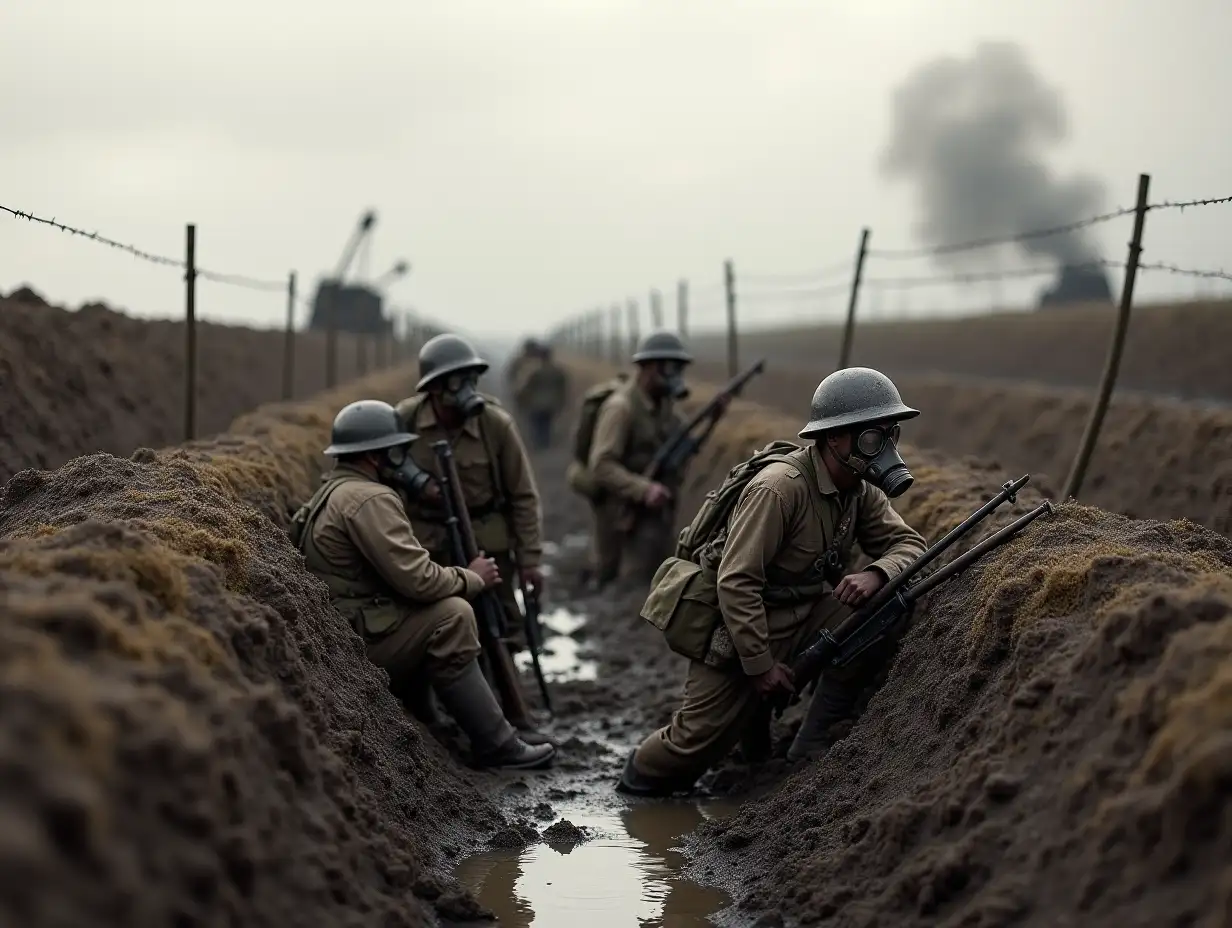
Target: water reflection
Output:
[(627, 875), (561, 654)]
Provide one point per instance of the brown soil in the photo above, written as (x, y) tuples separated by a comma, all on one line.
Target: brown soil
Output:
[(1050, 745), (1155, 458), (191, 736), (1177, 351), (97, 380)]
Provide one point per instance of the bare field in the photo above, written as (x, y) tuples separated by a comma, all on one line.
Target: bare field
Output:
[(1177, 351)]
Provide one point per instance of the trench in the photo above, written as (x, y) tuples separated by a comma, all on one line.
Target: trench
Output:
[(582, 853)]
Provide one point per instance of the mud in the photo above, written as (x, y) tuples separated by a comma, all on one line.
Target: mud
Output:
[(1049, 746), (1171, 351), (94, 379), (1155, 458), (190, 735)]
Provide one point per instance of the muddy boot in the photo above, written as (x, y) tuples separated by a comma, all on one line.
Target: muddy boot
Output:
[(832, 702), (639, 784), (494, 741)]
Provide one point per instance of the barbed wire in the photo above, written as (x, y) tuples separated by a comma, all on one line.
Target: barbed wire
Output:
[(235, 280), (1185, 271)]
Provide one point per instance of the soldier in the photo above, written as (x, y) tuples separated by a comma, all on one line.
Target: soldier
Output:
[(412, 613), (635, 517), (517, 364), (540, 394), (784, 546), (493, 469)]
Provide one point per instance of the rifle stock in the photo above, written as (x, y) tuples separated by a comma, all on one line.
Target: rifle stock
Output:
[(865, 626), (488, 610)]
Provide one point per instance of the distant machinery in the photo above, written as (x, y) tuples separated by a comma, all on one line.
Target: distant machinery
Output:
[(355, 306)]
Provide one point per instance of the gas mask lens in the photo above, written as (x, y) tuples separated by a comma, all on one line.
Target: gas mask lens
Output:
[(871, 441), (673, 377), (404, 473), (460, 392), (875, 458)]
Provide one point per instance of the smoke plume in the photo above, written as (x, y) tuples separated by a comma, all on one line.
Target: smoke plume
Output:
[(971, 134)]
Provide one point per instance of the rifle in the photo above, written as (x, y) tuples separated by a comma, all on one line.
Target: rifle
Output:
[(534, 638), (864, 627), (682, 445), (499, 665)]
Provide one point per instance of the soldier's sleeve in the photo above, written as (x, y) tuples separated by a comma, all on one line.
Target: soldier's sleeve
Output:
[(607, 447), (527, 513), (884, 535), (755, 534), (382, 532)]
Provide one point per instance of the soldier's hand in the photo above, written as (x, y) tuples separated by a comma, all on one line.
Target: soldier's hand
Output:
[(656, 496), (533, 577), (855, 589), (776, 679), (486, 568), (432, 491)]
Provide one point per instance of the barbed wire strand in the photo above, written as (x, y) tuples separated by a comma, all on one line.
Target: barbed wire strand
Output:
[(235, 280)]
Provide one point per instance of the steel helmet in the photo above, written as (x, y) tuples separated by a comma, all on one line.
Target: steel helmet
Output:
[(367, 425), (662, 346), (853, 396), (445, 354)]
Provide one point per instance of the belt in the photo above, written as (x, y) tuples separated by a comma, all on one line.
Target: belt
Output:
[(478, 512)]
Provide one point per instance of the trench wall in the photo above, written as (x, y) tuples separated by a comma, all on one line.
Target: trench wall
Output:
[(1051, 743), (190, 734)]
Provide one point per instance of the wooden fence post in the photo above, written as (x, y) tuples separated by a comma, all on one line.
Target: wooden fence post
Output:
[(635, 334), (844, 355), (288, 343), (682, 308), (190, 337), (656, 310), (733, 349), (1095, 421)]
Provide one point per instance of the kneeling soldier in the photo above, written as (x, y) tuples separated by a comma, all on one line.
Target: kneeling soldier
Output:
[(411, 612), (751, 588)]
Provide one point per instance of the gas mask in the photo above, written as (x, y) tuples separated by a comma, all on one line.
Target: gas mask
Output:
[(673, 379), (399, 471), (459, 393), (874, 458)]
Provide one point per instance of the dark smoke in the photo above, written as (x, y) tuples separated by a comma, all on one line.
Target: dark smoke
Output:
[(972, 133)]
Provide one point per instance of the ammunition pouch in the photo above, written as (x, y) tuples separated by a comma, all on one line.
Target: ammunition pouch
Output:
[(684, 605)]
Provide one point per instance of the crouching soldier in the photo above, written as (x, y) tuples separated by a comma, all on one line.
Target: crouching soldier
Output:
[(622, 424), (760, 571), (494, 471), (413, 613)]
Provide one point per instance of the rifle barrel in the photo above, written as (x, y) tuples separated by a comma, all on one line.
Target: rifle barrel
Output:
[(978, 550)]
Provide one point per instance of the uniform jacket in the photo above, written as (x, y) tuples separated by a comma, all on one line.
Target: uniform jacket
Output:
[(628, 431)]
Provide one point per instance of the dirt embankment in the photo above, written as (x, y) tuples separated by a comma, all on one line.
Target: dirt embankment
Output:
[(1156, 459), (190, 735), (1050, 745), (97, 380), (1176, 351)]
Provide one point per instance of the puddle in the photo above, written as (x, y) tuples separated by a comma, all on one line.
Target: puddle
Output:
[(560, 656), (627, 874)]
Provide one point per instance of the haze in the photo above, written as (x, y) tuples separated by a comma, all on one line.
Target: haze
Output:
[(533, 158)]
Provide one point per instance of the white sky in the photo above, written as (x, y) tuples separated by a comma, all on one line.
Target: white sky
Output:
[(533, 158)]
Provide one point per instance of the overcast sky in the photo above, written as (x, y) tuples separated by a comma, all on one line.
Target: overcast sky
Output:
[(536, 157)]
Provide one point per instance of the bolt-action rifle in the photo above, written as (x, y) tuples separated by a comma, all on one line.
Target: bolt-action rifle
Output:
[(682, 446), (868, 624), (497, 661), (531, 609)]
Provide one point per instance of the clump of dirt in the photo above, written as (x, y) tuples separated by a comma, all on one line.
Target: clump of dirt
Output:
[(191, 735), (96, 380), (1049, 744), (565, 834)]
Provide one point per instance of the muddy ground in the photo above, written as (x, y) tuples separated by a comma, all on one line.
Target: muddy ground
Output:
[(1172, 351), (1155, 458), (190, 736), (97, 380)]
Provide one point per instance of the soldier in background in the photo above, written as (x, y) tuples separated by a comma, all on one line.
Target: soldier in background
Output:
[(412, 613), (494, 470), (777, 574), (517, 364), (634, 518), (540, 393)]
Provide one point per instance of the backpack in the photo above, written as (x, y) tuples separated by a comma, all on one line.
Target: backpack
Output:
[(592, 400), (710, 522)]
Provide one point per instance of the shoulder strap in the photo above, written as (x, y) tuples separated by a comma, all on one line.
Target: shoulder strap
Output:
[(831, 560), (316, 504)]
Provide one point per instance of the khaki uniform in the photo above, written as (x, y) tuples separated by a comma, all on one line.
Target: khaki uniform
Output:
[(498, 485), (784, 522), (540, 393), (513, 373), (412, 612), (629, 429)]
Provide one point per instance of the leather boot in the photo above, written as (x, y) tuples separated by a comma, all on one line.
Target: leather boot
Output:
[(635, 783), (494, 742), (832, 702)]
